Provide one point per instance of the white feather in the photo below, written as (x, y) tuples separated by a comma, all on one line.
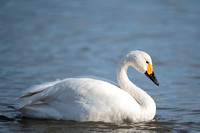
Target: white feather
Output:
[(88, 99)]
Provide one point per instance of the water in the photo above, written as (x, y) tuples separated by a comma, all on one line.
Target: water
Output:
[(43, 41)]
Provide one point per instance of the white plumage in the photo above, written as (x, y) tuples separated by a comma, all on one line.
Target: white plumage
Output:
[(87, 99)]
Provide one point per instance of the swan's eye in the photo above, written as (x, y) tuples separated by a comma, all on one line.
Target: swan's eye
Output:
[(147, 62)]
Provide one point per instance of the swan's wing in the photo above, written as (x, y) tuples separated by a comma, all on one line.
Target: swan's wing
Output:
[(79, 99), (37, 89), (62, 91)]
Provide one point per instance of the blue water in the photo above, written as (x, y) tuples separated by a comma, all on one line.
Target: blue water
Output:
[(42, 41)]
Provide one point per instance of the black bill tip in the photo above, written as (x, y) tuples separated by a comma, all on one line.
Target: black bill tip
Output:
[(152, 77)]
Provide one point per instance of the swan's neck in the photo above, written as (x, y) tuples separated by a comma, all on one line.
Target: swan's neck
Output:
[(145, 101)]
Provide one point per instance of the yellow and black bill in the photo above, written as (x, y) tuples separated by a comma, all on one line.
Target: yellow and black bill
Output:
[(152, 77)]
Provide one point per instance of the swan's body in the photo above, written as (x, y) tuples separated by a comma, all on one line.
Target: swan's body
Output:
[(87, 99)]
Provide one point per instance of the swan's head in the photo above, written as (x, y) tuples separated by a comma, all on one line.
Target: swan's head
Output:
[(142, 62)]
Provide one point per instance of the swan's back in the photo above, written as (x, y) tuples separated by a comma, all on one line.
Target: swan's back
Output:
[(80, 99)]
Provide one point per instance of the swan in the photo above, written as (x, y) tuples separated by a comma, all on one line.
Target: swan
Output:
[(89, 99)]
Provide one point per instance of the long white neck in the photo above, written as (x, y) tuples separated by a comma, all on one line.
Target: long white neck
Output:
[(145, 101)]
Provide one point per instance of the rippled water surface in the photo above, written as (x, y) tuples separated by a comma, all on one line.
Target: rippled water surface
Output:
[(42, 41)]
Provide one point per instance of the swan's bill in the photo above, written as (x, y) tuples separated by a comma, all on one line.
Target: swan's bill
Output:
[(149, 69), (152, 77)]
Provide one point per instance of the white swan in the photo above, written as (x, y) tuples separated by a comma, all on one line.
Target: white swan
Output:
[(86, 99)]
